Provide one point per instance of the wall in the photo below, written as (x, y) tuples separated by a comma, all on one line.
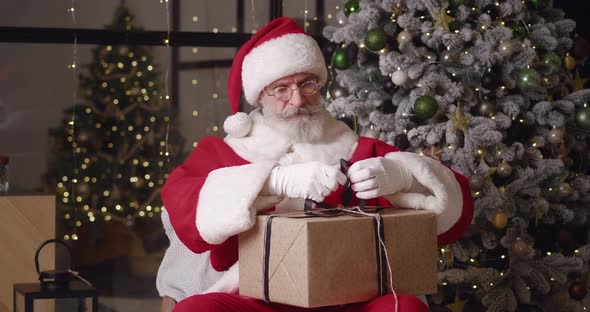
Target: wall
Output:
[(36, 83)]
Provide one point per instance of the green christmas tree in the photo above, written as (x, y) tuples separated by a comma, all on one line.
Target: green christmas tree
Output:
[(113, 151), (492, 90)]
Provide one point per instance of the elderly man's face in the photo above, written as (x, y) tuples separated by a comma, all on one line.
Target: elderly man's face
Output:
[(295, 107), (300, 117)]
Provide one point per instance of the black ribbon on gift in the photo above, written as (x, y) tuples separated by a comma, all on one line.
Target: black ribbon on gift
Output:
[(379, 232)]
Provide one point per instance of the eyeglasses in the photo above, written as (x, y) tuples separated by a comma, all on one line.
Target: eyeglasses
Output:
[(285, 93)]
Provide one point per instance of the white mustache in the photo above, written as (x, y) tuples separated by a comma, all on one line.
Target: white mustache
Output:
[(306, 110)]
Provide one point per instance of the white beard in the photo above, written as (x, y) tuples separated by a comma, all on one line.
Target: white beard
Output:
[(333, 140), (301, 129)]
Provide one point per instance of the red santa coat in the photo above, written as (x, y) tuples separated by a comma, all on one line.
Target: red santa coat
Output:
[(181, 195), (214, 195)]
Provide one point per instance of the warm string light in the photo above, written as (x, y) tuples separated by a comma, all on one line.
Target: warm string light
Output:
[(305, 12), (141, 132), (253, 17), (167, 97), (195, 81), (71, 130)]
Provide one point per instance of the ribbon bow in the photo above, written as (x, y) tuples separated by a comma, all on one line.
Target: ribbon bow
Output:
[(346, 196)]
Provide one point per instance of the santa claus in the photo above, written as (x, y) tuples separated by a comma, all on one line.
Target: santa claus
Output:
[(288, 149)]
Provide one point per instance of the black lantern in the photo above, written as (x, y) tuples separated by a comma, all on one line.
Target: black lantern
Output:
[(55, 284)]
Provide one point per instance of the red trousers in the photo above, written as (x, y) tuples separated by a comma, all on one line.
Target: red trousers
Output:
[(222, 302)]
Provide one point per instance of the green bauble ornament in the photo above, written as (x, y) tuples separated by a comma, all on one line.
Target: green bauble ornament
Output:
[(430, 56), (583, 118), (518, 30), (552, 62), (425, 107), (528, 80), (341, 60), (536, 4), (570, 62), (351, 7), (375, 39)]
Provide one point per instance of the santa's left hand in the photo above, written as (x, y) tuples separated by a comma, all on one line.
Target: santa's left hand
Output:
[(374, 177)]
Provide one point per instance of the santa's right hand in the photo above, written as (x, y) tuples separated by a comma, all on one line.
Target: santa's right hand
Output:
[(312, 180)]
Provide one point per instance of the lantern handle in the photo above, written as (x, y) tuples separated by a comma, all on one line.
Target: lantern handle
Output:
[(53, 240)]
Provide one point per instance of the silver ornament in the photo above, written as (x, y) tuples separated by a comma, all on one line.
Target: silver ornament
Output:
[(506, 48), (504, 170), (555, 136), (448, 57), (337, 91), (404, 37), (399, 77), (486, 108), (565, 189)]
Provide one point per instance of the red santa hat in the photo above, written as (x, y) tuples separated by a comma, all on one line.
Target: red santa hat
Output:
[(279, 49)]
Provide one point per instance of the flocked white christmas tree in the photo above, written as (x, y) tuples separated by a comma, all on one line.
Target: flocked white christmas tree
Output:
[(490, 89)]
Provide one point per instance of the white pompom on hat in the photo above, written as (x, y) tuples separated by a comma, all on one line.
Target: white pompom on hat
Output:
[(237, 125)]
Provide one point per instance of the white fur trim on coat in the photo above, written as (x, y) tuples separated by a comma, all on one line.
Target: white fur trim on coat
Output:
[(280, 57), (226, 200), (265, 144), (443, 195)]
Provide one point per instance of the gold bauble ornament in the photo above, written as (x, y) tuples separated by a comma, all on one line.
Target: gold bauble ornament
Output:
[(570, 62), (504, 170), (500, 220), (565, 189)]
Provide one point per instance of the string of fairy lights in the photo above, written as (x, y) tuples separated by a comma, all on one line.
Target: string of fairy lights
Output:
[(74, 186), (72, 126), (142, 96), (167, 96)]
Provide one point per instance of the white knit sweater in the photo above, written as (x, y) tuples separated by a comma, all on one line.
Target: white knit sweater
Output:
[(182, 272)]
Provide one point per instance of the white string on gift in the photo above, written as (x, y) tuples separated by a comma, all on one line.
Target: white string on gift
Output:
[(357, 210)]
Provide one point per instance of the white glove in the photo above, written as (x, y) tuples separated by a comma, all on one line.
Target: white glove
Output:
[(312, 180), (374, 177)]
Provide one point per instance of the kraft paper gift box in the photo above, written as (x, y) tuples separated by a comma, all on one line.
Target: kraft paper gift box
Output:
[(322, 261)]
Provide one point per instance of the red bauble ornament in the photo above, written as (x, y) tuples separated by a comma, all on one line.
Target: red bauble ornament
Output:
[(520, 248), (578, 290)]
